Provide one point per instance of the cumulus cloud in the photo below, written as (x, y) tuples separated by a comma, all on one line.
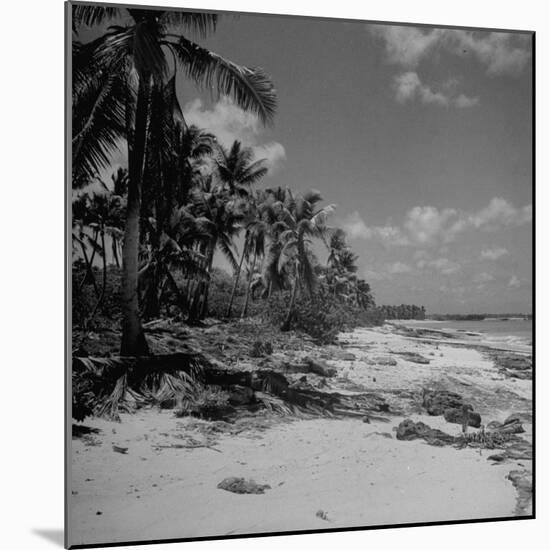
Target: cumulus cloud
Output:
[(463, 101), (406, 46), (409, 87), (482, 278), (431, 226), (229, 123), (273, 153), (499, 53), (501, 212), (493, 253), (398, 268), (514, 282), (356, 228)]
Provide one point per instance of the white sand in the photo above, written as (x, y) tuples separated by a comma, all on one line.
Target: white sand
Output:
[(344, 468)]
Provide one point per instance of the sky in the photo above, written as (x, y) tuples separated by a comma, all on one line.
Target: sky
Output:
[(420, 136)]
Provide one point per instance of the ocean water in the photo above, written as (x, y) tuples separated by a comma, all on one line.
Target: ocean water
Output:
[(513, 334)]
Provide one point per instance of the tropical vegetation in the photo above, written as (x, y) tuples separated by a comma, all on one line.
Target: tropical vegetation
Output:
[(153, 231)]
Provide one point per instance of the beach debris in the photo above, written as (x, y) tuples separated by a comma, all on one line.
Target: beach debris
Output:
[(387, 435), (514, 449), (121, 450), (79, 431), (342, 355), (451, 405), (436, 402), (384, 360), (511, 425), (319, 367), (241, 395), (242, 486), (464, 415), (409, 430), (261, 349), (322, 515), (513, 365), (190, 446), (413, 357), (522, 480)]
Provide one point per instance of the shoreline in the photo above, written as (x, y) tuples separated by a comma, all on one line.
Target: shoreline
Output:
[(323, 472)]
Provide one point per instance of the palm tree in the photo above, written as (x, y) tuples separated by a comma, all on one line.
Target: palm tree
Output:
[(218, 215), (113, 83), (237, 169), (255, 245), (303, 222)]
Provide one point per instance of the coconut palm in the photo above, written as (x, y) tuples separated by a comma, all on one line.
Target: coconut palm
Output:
[(304, 222), (113, 83), (218, 214), (237, 168)]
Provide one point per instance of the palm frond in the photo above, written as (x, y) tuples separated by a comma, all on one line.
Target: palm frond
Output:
[(200, 23), (100, 96), (227, 250), (93, 15), (251, 89)]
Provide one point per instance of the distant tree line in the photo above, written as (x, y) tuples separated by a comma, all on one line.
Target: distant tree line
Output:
[(478, 316), (403, 311)]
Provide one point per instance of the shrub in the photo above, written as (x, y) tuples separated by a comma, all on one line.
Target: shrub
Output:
[(321, 317), (84, 298)]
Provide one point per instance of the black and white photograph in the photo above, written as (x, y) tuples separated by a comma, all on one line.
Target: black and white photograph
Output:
[(300, 258)]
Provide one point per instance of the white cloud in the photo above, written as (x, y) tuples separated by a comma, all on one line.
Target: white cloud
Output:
[(398, 268), (493, 253), (501, 212), (425, 224), (482, 278), (463, 101), (229, 123), (356, 228), (273, 153), (514, 282), (430, 226), (444, 265), (406, 45), (499, 53), (409, 87)]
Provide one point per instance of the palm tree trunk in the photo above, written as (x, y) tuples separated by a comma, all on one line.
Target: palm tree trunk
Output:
[(92, 257), (89, 272), (236, 283), (115, 251), (288, 320), (133, 338), (245, 306), (204, 306), (104, 286)]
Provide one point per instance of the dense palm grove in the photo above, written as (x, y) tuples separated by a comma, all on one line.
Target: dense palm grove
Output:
[(144, 243)]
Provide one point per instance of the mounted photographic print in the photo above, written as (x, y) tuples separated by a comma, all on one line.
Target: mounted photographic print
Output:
[(300, 274)]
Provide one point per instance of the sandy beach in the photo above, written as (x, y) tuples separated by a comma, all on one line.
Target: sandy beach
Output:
[(322, 472)]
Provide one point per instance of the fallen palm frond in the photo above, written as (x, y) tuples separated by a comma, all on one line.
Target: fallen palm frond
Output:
[(485, 439), (106, 386), (198, 384)]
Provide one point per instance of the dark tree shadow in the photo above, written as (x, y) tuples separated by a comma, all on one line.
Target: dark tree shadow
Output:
[(53, 535)]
